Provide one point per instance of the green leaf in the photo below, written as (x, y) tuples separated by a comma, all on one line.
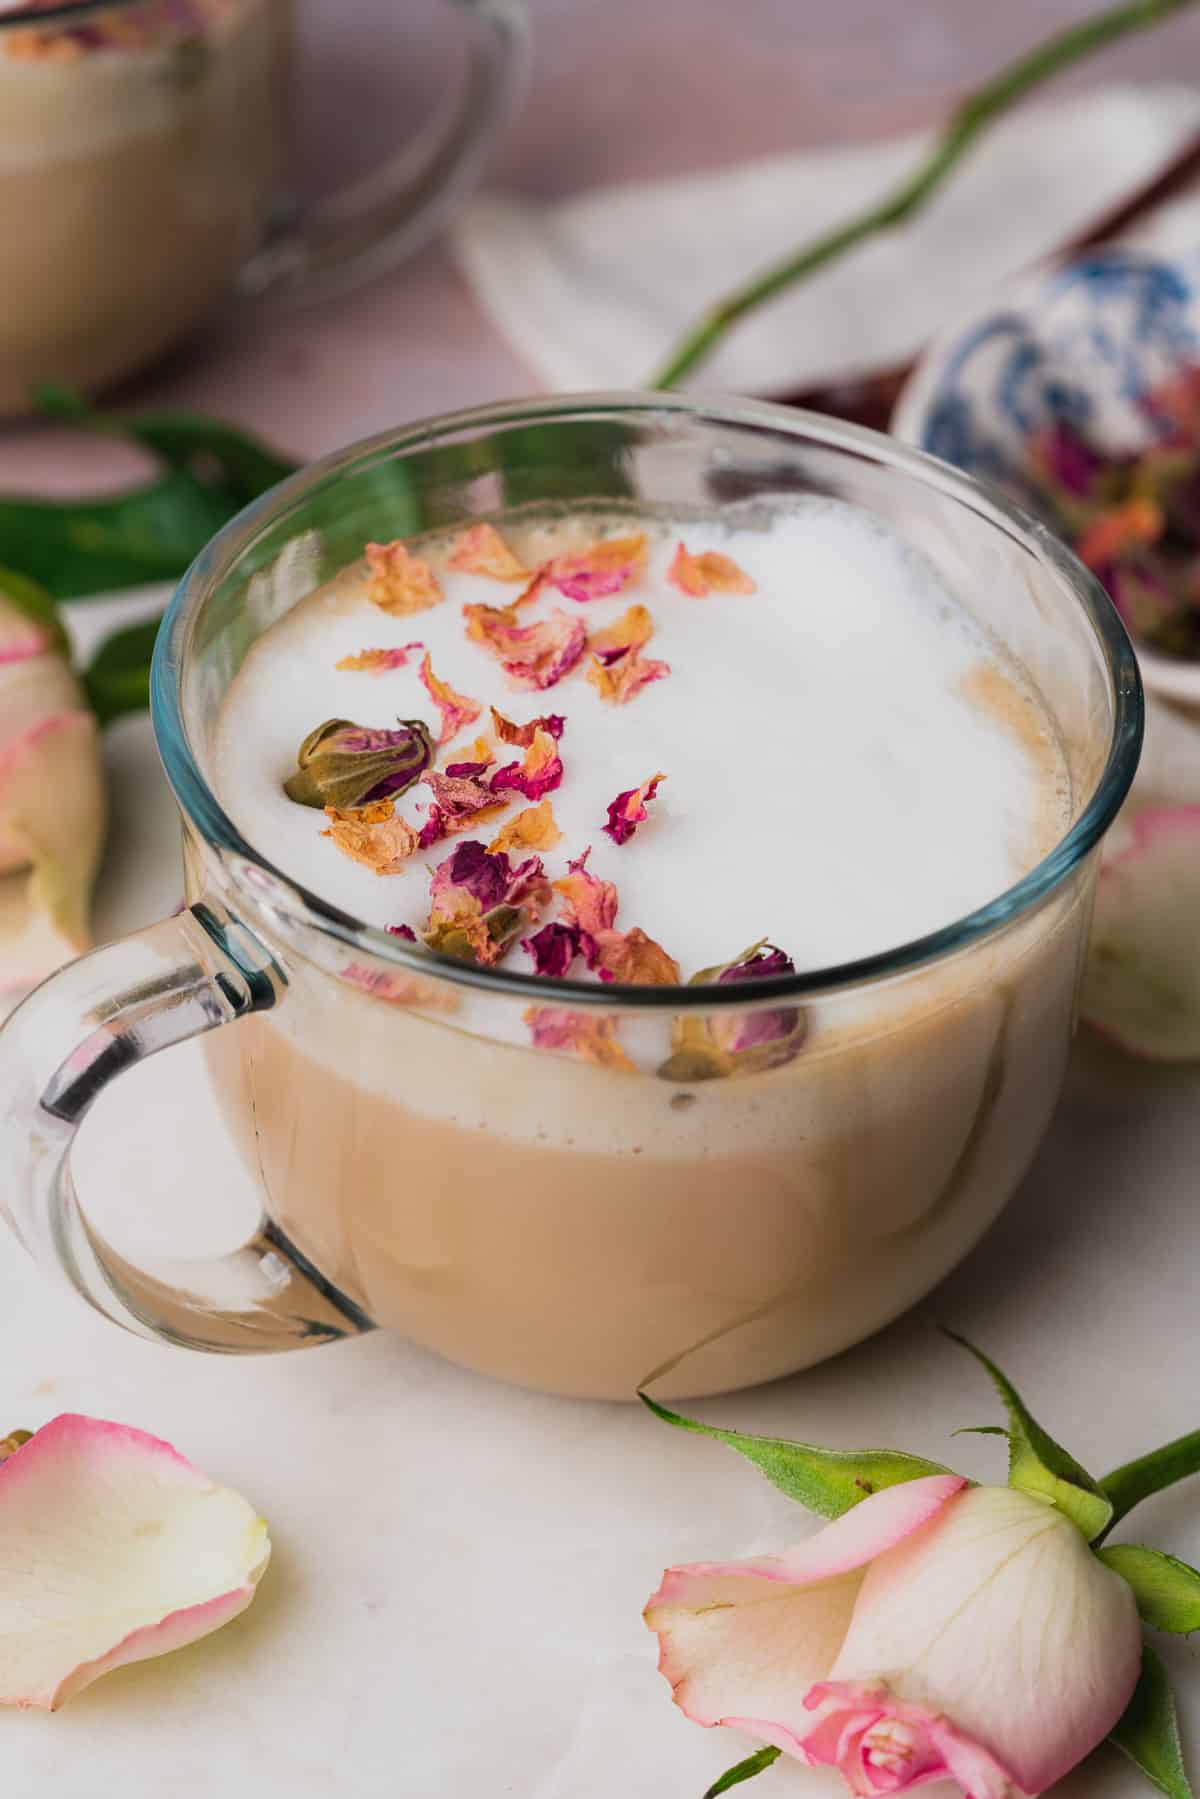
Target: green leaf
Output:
[(1149, 1731), (205, 448), (754, 1764), (1129, 1484), (81, 547), (981, 1430), (1167, 1590), (118, 678), (827, 1481), (1037, 1464), (31, 598)]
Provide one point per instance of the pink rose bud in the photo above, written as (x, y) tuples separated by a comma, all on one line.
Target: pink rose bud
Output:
[(52, 803), (934, 1632)]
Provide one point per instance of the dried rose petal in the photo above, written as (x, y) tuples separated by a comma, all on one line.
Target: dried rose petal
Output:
[(342, 764), (737, 1043), (460, 802), (533, 829), (523, 735), (604, 568), (401, 930), (378, 662), (591, 903), (553, 949), (631, 958), (538, 773), (373, 835), (626, 675), (480, 550), (455, 708), (399, 582), (1064, 460), (478, 758), (589, 1035), (628, 810), (16, 1439), (533, 656), (396, 989), (480, 903), (1137, 523), (710, 572), (632, 631), (113, 1549)]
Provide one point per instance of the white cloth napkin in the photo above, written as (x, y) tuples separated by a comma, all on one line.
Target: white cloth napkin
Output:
[(594, 290)]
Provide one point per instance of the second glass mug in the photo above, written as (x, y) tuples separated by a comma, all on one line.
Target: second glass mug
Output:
[(143, 176), (565, 1225)]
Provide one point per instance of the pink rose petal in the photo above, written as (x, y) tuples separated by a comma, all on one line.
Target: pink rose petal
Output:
[(1142, 982), (113, 1548)]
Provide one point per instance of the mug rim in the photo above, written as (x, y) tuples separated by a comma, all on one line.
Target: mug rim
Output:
[(201, 808), (63, 12)]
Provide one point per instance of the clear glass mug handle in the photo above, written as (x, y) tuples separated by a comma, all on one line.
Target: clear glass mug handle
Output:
[(60, 1049), (385, 216)]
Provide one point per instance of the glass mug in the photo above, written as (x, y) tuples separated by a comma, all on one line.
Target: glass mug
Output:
[(142, 161), (565, 1225)]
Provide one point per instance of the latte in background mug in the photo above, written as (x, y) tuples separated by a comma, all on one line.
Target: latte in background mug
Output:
[(143, 177)]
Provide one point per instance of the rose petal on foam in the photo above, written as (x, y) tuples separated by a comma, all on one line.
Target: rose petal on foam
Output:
[(373, 835), (604, 568), (399, 582), (619, 680), (523, 735), (591, 903), (533, 656), (379, 662), (533, 829), (632, 631), (553, 949), (113, 1549), (460, 803), (742, 1642), (628, 810), (590, 1036), (1141, 985), (710, 572), (52, 819), (480, 550), (480, 903), (456, 709), (539, 772)]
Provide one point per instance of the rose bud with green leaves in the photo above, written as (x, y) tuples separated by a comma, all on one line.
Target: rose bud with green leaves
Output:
[(934, 1629)]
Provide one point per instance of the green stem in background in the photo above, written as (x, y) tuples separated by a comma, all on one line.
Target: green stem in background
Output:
[(970, 121)]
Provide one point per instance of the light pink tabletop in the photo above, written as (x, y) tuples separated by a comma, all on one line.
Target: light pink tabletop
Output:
[(620, 91)]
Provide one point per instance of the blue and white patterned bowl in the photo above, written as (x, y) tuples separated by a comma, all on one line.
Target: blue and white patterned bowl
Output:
[(1083, 342)]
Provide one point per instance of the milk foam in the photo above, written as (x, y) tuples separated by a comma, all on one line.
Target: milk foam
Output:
[(835, 782)]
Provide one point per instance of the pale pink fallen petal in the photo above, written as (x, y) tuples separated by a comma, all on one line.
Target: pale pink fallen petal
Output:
[(52, 815), (1002, 1620), (113, 1548), (743, 1641), (1142, 982)]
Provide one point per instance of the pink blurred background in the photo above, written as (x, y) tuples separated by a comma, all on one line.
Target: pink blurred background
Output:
[(620, 91)]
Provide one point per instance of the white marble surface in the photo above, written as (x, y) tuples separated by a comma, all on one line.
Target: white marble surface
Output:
[(453, 1606)]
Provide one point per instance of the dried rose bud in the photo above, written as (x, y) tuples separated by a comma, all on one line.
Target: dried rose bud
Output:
[(706, 1048), (344, 765)]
